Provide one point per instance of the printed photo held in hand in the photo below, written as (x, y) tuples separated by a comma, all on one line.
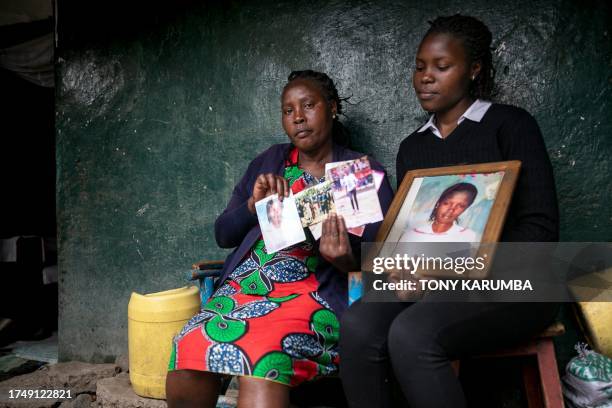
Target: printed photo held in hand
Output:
[(453, 208), (316, 229), (280, 223), (314, 203), (354, 191), (457, 207)]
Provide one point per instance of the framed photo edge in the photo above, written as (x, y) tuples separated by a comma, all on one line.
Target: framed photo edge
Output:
[(496, 218)]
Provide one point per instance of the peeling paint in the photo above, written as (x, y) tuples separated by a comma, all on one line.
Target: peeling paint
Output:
[(142, 210)]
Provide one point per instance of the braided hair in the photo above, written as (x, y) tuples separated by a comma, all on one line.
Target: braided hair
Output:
[(467, 188), (476, 39), (340, 134)]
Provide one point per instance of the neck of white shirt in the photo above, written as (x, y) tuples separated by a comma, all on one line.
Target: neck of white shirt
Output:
[(475, 113)]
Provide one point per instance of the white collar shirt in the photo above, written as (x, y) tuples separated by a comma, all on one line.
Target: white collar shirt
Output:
[(475, 113)]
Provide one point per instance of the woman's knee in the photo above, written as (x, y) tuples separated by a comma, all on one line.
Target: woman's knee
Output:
[(358, 329), (190, 388), (261, 393), (351, 326), (413, 343)]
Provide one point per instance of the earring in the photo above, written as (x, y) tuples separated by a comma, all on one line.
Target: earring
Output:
[(334, 116)]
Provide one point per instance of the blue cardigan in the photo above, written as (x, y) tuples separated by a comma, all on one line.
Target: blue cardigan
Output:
[(237, 227)]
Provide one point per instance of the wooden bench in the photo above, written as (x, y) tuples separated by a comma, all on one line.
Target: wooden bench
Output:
[(542, 383)]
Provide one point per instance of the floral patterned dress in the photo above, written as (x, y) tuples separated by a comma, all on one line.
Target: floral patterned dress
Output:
[(267, 319)]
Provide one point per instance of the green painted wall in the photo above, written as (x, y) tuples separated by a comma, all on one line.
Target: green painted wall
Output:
[(159, 112)]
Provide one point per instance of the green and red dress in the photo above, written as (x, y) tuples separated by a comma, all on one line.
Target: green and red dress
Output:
[(267, 319)]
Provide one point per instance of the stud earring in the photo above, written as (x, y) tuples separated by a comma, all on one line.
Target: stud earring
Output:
[(334, 116)]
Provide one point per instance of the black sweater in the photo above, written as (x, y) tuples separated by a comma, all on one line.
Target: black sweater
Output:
[(504, 133)]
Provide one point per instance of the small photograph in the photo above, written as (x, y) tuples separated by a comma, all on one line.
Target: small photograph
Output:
[(314, 203), (279, 222), (451, 208), (354, 191)]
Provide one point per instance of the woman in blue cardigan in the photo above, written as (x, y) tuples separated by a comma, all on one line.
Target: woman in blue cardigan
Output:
[(273, 319)]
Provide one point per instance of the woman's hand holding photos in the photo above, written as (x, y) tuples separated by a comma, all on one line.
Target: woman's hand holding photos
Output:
[(265, 185), (335, 246)]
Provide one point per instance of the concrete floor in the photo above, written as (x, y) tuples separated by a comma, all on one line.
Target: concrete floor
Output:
[(32, 365)]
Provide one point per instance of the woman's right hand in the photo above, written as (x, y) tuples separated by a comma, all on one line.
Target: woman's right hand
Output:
[(265, 185), (397, 276)]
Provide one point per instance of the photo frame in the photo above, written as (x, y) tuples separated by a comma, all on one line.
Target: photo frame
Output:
[(479, 194)]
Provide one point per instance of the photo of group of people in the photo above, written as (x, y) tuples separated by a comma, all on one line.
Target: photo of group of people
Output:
[(315, 203), (354, 191)]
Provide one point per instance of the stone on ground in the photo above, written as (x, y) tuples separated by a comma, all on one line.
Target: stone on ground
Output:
[(75, 376), (116, 392), (81, 401), (123, 363)]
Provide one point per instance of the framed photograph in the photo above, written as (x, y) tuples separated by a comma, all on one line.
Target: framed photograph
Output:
[(458, 204)]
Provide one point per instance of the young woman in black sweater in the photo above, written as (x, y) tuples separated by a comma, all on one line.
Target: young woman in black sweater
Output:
[(416, 342)]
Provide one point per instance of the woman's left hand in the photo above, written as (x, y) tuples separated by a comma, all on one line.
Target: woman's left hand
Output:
[(335, 246)]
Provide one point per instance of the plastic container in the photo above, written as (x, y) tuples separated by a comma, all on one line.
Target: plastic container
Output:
[(596, 320), (153, 320)]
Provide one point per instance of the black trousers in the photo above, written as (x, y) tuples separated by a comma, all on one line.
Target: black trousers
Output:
[(416, 342), (353, 196)]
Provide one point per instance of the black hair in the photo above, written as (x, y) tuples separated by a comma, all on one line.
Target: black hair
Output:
[(269, 205), (476, 39), (340, 134), (468, 188)]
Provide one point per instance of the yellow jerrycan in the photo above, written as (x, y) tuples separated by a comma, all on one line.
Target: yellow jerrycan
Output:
[(153, 320)]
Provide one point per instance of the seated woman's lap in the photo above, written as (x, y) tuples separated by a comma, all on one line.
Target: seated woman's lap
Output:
[(458, 329), (417, 341), (455, 330), (365, 326)]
